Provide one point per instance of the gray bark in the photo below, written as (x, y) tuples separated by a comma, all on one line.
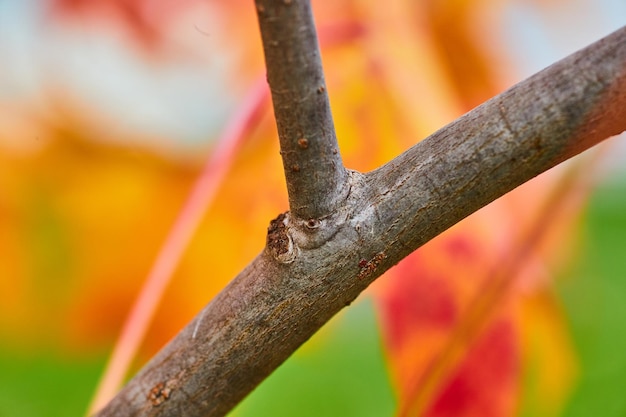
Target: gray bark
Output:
[(322, 254), (316, 178)]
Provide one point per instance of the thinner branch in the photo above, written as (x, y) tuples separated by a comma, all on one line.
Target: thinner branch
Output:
[(316, 178)]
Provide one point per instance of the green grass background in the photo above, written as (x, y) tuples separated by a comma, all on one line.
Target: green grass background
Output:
[(594, 296)]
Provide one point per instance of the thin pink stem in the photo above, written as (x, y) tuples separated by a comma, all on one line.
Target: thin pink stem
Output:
[(200, 198)]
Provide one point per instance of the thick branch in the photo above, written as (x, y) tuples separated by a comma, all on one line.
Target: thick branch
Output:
[(273, 307), (316, 178)]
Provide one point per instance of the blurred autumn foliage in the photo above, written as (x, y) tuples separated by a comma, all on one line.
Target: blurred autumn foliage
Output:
[(87, 198)]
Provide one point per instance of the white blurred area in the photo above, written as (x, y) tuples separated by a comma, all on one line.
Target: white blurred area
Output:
[(542, 32), (186, 98)]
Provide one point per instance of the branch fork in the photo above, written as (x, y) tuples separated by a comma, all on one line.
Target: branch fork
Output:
[(344, 229)]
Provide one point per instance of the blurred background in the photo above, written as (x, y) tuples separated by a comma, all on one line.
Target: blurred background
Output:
[(114, 112)]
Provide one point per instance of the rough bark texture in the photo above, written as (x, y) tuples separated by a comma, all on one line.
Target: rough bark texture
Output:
[(310, 271)]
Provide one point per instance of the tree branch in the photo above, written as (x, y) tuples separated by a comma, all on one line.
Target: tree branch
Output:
[(316, 178), (276, 303)]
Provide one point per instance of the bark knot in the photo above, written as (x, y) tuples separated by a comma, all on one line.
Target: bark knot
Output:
[(159, 393), (368, 267), (279, 242), (303, 143)]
